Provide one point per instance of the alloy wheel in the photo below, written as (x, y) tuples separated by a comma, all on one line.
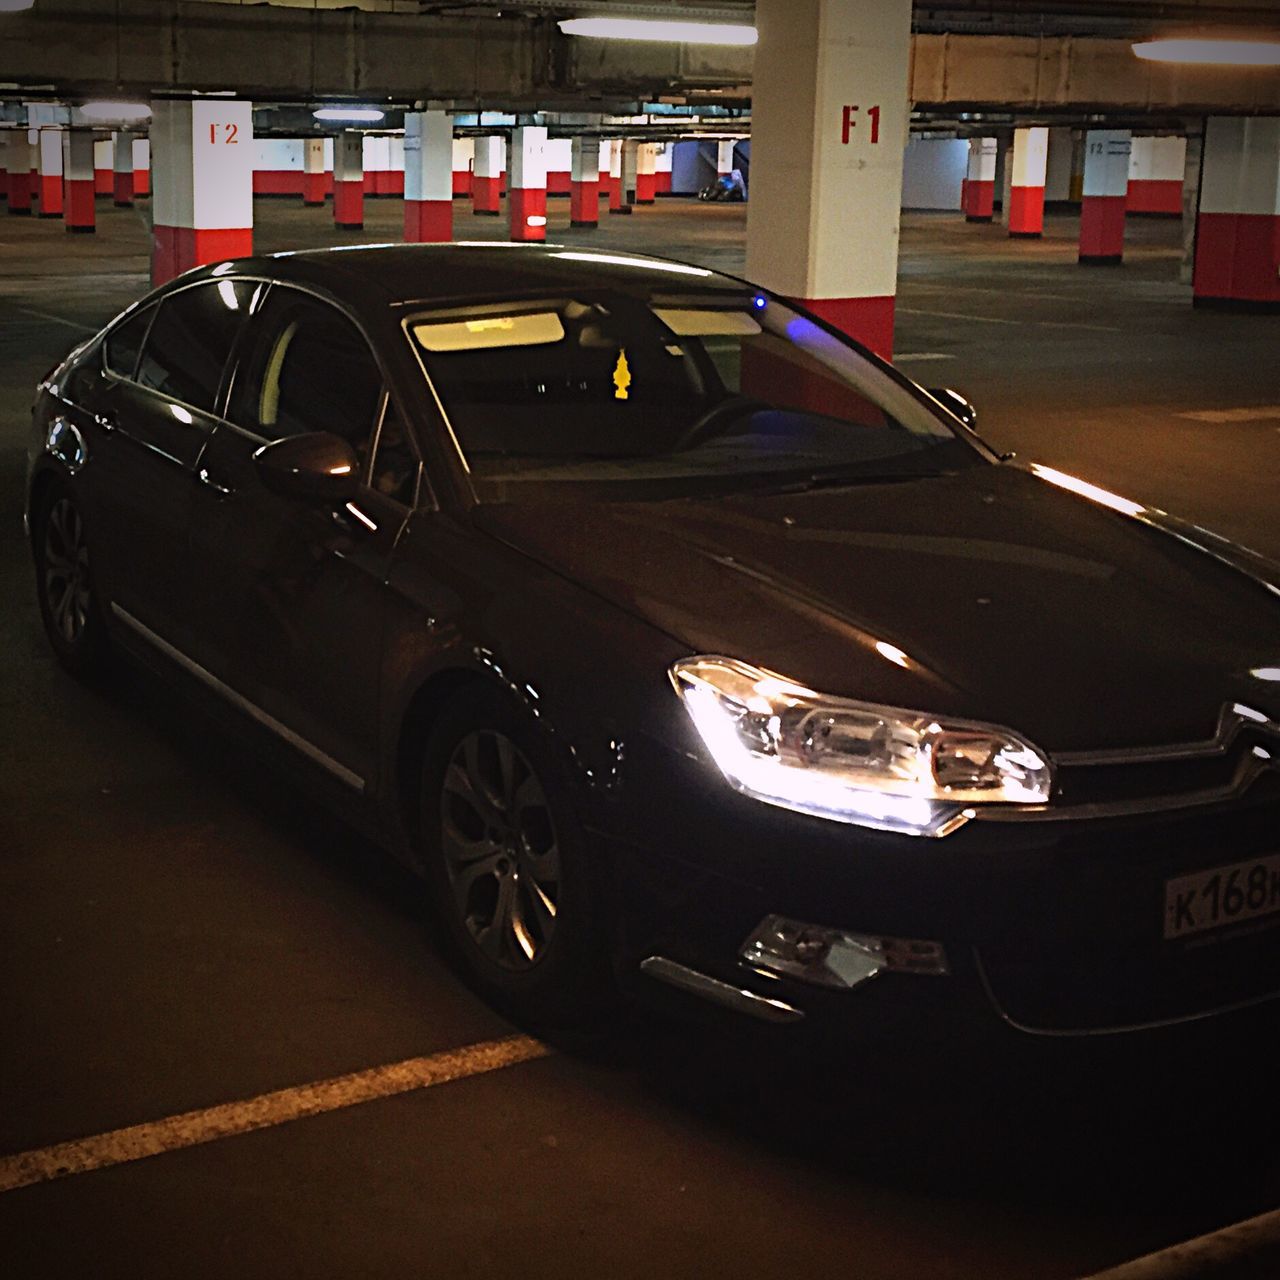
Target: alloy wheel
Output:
[(66, 571)]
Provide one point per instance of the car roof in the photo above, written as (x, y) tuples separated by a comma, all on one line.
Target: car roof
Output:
[(401, 274)]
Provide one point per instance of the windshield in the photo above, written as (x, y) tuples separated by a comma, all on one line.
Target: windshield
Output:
[(611, 394)]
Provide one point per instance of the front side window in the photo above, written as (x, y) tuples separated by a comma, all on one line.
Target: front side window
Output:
[(190, 341), (660, 396), (124, 343)]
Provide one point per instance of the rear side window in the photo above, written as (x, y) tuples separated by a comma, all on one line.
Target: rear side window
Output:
[(191, 339), (125, 341)]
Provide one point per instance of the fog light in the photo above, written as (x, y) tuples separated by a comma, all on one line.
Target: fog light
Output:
[(833, 957)]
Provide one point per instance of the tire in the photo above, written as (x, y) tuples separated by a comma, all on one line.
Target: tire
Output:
[(508, 864), (70, 607)]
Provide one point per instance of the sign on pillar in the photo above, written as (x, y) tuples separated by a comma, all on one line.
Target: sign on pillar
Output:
[(1026, 193), (1156, 170), (1105, 194), (141, 168), (464, 157), (980, 180), (79, 208), (348, 180), (486, 177), (313, 170), (826, 190), (616, 204), (428, 177), (584, 183), (122, 166), (664, 155), (202, 182), (1237, 256), (50, 173), (18, 164), (646, 169), (527, 197)]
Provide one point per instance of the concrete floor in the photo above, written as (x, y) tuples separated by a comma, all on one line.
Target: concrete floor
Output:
[(177, 932)]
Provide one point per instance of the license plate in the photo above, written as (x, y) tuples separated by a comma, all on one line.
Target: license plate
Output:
[(1221, 896)]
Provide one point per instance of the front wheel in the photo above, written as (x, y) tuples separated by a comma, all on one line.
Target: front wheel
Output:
[(508, 864)]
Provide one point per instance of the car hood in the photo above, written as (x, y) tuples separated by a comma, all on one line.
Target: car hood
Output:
[(987, 594)]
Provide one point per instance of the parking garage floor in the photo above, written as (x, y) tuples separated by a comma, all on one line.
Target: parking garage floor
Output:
[(178, 933)]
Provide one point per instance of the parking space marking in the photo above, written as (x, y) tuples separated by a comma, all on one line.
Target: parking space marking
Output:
[(1017, 324), (1259, 413), (50, 318), (924, 355), (193, 1128), (1204, 1255)]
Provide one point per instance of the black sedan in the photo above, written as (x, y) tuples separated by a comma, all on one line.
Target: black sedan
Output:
[(679, 643)]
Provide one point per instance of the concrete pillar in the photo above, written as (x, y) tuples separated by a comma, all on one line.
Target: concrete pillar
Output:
[(203, 183), (584, 186), (369, 164), (428, 177), (662, 161), (348, 180), (122, 168), (630, 170), (980, 180), (616, 202), (18, 163), (313, 183), (1026, 190), (724, 157), (1155, 176), (646, 173), (464, 158), (79, 206), (1105, 192), (1077, 165), (1238, 238), (830, 126), (141, 168), (527, 198), (559, 166), (1057, 186), (395, 174), (50, 172), (486, 177), (1191, 206), (104, 172)]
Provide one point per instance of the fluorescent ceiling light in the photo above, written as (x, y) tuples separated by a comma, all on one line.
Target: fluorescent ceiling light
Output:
[(660, 29), (350, 115), (16, 6), (1222, 53), (116, 111)]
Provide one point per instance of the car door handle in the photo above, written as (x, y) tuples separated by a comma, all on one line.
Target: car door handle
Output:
[(204, 477)]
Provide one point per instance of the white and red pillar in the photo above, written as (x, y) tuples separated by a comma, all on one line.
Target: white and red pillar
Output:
[(313, 171), (826, 191), (1237, 256), (79, 206), (141, 168), (979, 194), (616, 202), (464, 157), (203, 183), (348, 180), (559, 166), (1156, 169), (1026, 193), (527, 194), (646, 173), (18, 164), (104, 172), (122, 168), (1105, 195), (50, 172), (630, 168), (662, 162), (428, 177), (584, 186), (486, 177)]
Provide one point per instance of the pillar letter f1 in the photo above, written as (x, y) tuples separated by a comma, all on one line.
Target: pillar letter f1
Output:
[(847, 123)]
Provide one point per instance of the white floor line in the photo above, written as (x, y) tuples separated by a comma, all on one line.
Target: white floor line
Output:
[(1202, 1256), (49, 317), (193, 1128), (1017, 324), (924, 355), (1260, 413)]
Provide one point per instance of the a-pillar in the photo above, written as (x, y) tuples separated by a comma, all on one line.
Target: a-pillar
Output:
[(646, 182), (486, 177), (79, 208), (584, 184), (1156, 168), (141, 168), (1026, 193), (18, 163), (104, 173), (313, 171), (348, 180), (1105, 194), (827, 163), (122, 166), (664, 155), (428, 177), (616, 202), (527, 196), (980, 180), (203, 183), (50, 173), (1238, 238)]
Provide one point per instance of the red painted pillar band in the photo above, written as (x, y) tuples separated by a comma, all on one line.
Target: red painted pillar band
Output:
[(528, 207), (80, 207), (313, 188), (485, 195), (348, 180), (869, 321), (584, 204), (123, 193), (348, 204), (428, 221), (1102, 230), (462, 182), (178, 249), (1105, 195), (1026, 212)]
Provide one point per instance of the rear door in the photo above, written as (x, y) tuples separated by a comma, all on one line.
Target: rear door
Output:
[(293, 595)]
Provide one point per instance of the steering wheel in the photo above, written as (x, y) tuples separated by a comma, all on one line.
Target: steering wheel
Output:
[(720, 414)]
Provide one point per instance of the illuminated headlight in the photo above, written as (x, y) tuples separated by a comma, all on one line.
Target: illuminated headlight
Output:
[(853, 761)]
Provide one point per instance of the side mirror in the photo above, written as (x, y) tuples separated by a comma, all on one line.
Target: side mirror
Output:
[(317, 467), (956, 404)]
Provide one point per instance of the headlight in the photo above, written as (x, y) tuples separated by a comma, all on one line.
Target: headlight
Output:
[(852, 761)]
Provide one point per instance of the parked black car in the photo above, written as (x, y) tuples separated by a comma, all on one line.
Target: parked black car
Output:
[(676, 639)]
